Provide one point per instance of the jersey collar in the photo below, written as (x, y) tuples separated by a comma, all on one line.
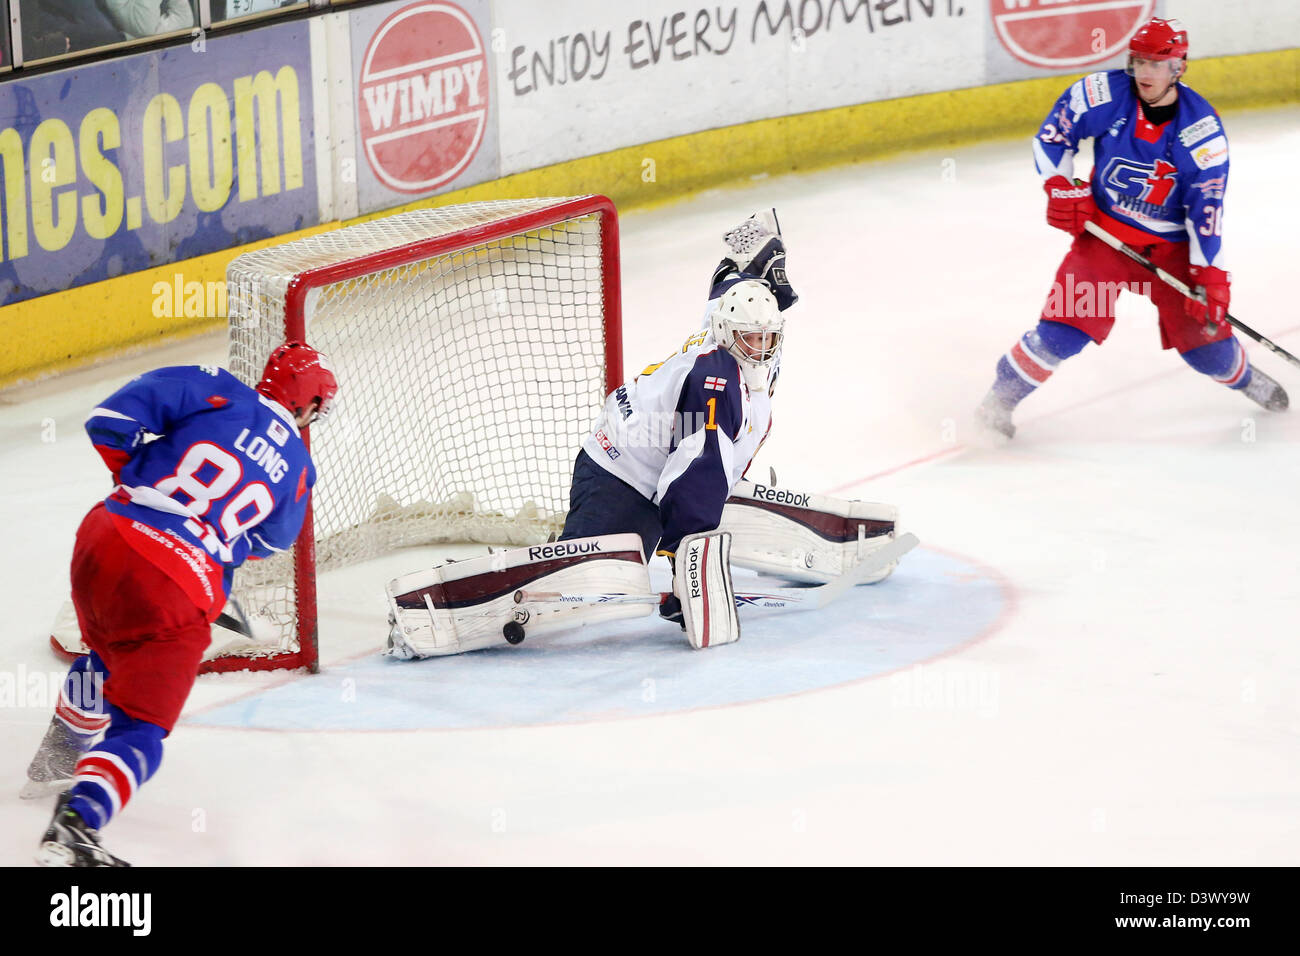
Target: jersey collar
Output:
[(280, 410)]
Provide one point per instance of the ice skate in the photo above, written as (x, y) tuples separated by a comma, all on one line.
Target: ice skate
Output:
[(995, 415), (52, 768), (1265, 392), (69, 841)]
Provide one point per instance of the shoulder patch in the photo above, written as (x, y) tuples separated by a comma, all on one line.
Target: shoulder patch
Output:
[(1096, 89), (713, 383), (1213, 153), (217, 401), (1077, 104), (1198, 131)]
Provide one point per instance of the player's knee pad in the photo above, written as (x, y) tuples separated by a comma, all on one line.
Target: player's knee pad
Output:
[(1059, 340), (803, 536), (481, 602), (1224, 361)]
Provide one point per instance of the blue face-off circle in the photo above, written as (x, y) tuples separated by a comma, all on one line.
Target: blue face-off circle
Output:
[(933, 604)]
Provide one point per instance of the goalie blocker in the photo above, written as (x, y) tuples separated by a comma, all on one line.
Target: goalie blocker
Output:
[(805, 537)]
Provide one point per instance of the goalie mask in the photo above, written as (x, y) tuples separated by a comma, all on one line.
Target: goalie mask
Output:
[(748, 324)]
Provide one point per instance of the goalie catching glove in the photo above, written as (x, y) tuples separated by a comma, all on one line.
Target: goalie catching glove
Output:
[(756, 249)]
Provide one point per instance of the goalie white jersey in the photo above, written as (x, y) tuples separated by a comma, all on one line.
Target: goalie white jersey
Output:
[(683, 432)]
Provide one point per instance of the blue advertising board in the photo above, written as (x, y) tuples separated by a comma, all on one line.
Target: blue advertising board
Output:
[(114, 167)]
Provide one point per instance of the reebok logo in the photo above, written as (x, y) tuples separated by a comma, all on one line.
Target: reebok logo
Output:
[(693, 572), (781, 496), (562, 549), (1077, 192)]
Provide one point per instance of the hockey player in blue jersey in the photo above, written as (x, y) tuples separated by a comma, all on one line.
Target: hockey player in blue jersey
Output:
[(672, 442), (207, 472), (1160, 169)]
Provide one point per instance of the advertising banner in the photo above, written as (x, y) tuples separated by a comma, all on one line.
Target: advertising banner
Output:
[(118, 166), (590, 76), (425, 100), (1070, 37)]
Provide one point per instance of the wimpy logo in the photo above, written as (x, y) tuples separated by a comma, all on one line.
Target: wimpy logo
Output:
[(102, 909), (423, 96)]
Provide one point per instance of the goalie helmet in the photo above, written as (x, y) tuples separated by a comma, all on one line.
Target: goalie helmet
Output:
[(297, 375), (748, 324)]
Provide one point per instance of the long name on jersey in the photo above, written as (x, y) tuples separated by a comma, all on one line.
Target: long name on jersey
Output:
[(208, 471)]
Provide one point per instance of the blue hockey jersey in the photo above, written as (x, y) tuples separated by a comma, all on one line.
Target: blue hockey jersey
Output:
[(1160, 182), (226, 478)]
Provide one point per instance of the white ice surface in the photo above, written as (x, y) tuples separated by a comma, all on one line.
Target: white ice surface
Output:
[(1138, 703)]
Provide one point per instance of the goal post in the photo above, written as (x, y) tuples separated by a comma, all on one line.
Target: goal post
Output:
[(474, 346)]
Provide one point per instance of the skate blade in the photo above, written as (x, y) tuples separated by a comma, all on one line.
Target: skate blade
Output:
[(55, 854)]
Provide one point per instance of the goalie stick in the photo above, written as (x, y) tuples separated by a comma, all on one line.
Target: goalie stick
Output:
[(774, 599), (1182, 287)]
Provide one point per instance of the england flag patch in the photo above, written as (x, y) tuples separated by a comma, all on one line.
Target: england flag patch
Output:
[(717, 384)]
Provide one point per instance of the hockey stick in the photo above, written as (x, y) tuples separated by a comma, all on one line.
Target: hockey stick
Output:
[(1182, 287), (234, 619), (775, 599)]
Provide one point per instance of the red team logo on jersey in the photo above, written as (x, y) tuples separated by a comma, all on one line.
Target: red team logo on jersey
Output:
[(1159, 184), (423, 97), (1067, 33), (1147, 182)]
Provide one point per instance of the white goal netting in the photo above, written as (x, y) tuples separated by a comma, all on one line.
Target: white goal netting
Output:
[(467, 379)]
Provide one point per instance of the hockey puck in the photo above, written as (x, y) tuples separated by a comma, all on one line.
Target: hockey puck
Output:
[(513, 632)]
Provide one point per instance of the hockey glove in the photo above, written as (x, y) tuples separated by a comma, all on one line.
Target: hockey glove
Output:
[(670, 609), (1069, 207), (756, 248), (1215, 285), (745, 242), (116, 459)]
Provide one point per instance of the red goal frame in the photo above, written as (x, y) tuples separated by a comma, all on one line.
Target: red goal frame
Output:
[(308, 653)]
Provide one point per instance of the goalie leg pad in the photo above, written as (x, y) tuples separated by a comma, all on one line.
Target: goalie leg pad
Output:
[(802, 536), (465, 605), (702, 583)]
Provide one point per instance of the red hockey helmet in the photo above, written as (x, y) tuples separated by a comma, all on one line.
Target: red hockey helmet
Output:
[(1160, 40), (297, 375)]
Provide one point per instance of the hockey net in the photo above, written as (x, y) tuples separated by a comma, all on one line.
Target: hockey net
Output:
[(473, 345)]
